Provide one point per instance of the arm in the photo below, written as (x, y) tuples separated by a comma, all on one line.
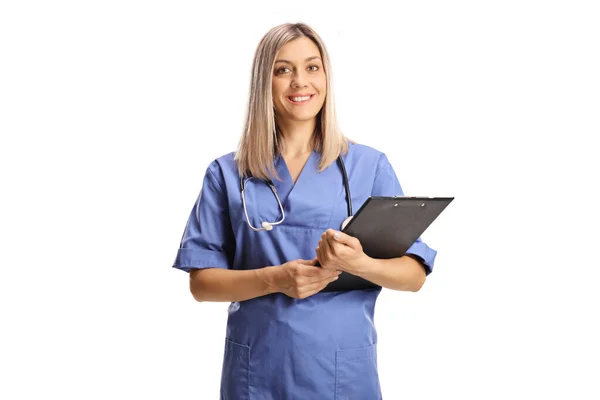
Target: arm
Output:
[(217, 284), (403, 273), (206, 250), (298, 279), (340, 251)]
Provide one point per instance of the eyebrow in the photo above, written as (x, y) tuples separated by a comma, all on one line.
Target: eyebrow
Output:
[(307, 60)]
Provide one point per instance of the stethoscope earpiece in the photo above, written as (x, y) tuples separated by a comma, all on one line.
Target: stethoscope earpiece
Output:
[(267, 226)]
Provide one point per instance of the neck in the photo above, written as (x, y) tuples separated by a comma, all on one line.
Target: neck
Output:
[(297, 137)]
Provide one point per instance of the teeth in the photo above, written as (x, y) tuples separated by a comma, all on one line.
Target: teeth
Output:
[(298, 99)]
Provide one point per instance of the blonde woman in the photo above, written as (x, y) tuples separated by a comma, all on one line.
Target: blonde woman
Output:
[(269, 212)]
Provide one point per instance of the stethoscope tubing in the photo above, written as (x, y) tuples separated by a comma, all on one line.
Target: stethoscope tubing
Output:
[(269, 225)]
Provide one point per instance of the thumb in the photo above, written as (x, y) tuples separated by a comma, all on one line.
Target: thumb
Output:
[(344, 238), (308, 262)]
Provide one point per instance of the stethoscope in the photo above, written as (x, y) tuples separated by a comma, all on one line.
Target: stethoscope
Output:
[(268, 226)]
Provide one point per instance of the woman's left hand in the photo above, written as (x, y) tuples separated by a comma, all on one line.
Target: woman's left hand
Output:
[(341, 252)]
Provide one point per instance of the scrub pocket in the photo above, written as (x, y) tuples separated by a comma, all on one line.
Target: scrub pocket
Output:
[(356, 376), (234, 377)]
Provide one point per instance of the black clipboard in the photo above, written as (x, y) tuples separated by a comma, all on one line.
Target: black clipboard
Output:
[(386, 228)]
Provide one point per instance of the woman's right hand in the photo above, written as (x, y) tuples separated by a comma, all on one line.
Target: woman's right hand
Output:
[(300, 278)]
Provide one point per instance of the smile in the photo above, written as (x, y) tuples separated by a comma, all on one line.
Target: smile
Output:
[(299, 100)]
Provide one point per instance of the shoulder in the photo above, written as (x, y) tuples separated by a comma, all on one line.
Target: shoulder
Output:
[(363, 150), (367, 156), (224, 162), (222, 169)]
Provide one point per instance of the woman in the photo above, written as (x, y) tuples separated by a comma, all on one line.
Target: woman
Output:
[(257, 246)]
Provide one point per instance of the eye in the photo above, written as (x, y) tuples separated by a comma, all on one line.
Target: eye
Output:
[(314, 68), (282, 70)]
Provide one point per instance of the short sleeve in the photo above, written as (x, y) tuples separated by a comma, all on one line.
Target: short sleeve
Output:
[(207, 240), (386, 184)]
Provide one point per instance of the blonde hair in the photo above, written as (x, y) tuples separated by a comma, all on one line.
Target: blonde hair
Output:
[(261, 139)]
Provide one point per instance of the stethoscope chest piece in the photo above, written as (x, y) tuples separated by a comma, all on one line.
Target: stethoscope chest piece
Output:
[(268, 226), (346, 222)]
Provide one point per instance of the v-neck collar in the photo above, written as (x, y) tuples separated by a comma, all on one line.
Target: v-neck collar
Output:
[(285, 187)]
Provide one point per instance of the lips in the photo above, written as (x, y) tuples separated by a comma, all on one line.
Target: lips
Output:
[(300, 98)]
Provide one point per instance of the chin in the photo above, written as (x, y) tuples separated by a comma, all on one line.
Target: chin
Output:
[(303, 115), (306, 117)]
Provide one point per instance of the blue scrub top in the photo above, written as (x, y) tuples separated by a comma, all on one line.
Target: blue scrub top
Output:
[(277, 347)]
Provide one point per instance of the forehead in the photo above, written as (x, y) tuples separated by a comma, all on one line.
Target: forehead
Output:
[(298, 50)]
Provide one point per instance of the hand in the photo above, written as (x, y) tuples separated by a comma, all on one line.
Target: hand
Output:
[(300, 278), (339, 251)]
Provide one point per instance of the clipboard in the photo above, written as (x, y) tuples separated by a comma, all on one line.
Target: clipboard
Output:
[(386, 228)]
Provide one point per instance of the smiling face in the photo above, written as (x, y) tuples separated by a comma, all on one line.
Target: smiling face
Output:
[(299, 82)]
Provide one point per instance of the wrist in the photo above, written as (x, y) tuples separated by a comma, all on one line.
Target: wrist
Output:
[(267, 277), (361, 266)]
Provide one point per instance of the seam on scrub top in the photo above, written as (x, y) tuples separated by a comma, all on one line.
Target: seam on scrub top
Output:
[(377, 174), (216, 180), (248, 371), (200, 266), (204, 258), (242, 221), (302, 227), (335, 380), (333, 205), (343, 196)]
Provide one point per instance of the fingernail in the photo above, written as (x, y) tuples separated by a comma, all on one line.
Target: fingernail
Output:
[(339, 272), (337, 235)]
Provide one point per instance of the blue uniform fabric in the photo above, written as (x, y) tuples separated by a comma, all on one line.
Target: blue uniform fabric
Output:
[(277, 347)]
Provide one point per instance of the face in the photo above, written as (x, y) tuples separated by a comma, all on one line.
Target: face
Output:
[(299, 81)]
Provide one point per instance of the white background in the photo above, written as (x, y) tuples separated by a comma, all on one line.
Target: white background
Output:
[(111, 111)]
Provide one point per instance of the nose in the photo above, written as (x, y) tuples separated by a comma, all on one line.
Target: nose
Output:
[(299, 80)]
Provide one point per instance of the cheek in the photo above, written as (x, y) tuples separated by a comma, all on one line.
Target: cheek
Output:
[(277, 89), (277, 101), (321, 84), (322, 96)]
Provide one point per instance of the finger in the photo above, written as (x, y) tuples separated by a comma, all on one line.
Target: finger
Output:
[(325, 246), (307, 262), (313, 273), (324, 273), (322, 255), (315, 287), (334, 246), (332, 253), (344, 238), (319, 254)]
